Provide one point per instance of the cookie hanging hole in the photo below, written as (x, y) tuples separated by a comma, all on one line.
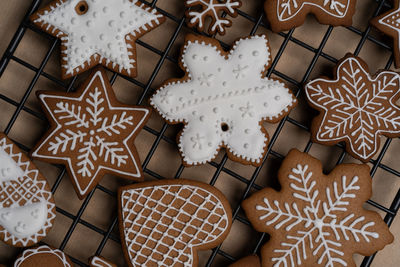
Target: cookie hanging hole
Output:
[(224, 127), (82, 8)]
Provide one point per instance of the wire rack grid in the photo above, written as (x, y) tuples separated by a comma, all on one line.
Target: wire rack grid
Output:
[(250, 182)]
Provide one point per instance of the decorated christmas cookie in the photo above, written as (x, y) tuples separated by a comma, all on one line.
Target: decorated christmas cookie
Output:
[(317, 219), (91, 133), (249, 261), (213, 9), (355, 107), (223, 100), (100, 262), (97, 32), (287, 14), (43, 256), (27, 209), (165, 223), (389, 24)]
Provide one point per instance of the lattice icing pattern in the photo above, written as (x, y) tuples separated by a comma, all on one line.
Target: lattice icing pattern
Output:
[(164, 225), (104, 34), (27, 208), (224, 100)]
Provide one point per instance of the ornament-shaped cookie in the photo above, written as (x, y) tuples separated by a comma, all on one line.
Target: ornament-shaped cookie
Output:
[(355, 107), (165, 223), (213, 9), (43, 256), (91, 133), (287, 14), (223, 100), (316, 219), (388, 23), (27, 208), (97, 32)]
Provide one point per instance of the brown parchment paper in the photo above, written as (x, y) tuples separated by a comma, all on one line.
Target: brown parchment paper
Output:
[(101, 209)]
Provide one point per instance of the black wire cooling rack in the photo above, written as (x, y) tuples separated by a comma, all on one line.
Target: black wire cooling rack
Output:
[(250, 184)]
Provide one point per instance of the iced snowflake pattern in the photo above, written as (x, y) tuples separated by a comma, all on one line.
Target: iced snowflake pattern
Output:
[(288, 9), (94, 129), (356, 108), (317, 218), (214, 10)]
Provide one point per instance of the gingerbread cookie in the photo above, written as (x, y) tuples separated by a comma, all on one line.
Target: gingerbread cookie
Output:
[(97, 261), (388, 23), (317, 219), (199, 10), (91, 133), (27, 208), (355, 107), (286, 14), (249, 261), (223, 99), (97, 32), (165, 223), (43, 256)]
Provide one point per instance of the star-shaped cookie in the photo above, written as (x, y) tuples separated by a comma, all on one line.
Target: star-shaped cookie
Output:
[(355, 107), (97, 32), (223, 100), (316, 219), (286, 14), (91, 133), (389, 23)]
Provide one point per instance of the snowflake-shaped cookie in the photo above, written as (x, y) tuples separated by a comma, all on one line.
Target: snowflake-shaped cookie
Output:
[(389, 23), (214, 10), (223, 99), (97, 32), (317, 220), (355, 107), (92, 133), (286, 14)]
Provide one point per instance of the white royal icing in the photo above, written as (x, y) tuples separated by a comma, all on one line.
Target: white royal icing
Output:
[(99, 120), (101, 31), (99, 262), (358, 108), (317, 222), (42, 251), (9, 169), (223, 92), (27, 223), (392, 20), (140, 212), (210, 8), (288, 9)]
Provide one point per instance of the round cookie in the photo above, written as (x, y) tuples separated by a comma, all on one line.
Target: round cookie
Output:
[(249, 261), (165, 223), (286, 14), (317, 219), (97, 32), (355, 107), (27, 209), (223, 100), (43, 256)]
